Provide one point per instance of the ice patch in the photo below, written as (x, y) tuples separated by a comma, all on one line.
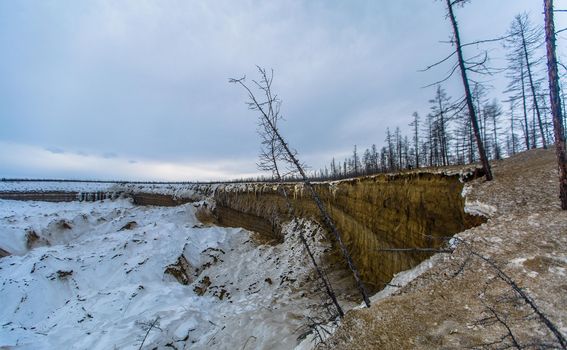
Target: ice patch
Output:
[(480, 209), (518, 261), (403, 278)]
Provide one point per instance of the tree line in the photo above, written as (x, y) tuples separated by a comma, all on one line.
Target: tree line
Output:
[(445, 135)]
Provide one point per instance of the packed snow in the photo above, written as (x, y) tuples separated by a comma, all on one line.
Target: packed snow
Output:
[(55, 186), (92, 276)]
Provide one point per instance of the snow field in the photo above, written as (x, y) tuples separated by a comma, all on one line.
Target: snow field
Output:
[(94, 279)]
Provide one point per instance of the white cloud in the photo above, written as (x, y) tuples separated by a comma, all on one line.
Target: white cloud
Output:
[(36, 162), (147, 79)]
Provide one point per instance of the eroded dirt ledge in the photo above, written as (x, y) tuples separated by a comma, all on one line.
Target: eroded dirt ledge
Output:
[(373, 213)]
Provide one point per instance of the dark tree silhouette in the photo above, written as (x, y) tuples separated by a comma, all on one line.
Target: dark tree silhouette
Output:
[(555, 102), (468, 95), (415, 125), (523, 40)]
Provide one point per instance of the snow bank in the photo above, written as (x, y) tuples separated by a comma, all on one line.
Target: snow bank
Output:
[(54, 186)]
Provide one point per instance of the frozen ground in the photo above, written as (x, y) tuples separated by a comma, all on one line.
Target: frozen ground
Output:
[(55, 186), (459, 300), (92, 276)]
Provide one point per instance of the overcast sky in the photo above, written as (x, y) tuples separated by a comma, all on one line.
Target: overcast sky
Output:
[(138, 89)]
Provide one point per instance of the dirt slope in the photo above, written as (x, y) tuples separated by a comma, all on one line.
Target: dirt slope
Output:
[(461, 302)]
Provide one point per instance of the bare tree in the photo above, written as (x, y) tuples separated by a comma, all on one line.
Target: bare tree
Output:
[(391, 150), (289, 156), (375, 158), (440, 108), (512, 139), (464, 67), (355, 162), (399, 148), (272, 152), (492, 112), (523, 40), (415, 125), (555, 101)]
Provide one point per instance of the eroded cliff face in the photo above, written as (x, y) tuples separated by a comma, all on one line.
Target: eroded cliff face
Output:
[(373, 213)]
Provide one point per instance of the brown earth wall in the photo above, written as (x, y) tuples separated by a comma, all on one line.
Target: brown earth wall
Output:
[(373, 213)]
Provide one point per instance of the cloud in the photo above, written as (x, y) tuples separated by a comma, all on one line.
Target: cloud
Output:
[(148, 79), (55, 150), (109, 155), (36, 162)]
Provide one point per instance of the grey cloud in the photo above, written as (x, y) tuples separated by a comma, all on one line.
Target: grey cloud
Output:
[(55, 150), (150, 81), (109, 155)]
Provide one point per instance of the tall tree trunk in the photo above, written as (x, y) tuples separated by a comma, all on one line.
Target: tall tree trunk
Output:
[(512, 127), (555, 101), (527, 125), (468, 95), (564, 110), (470, 142), (496, 141), (443, 135), (416, 137), (532, 87)]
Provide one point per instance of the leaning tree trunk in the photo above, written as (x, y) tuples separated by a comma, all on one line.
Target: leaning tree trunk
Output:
[(468, 95), (532, 87), (326, 218), (555, 101), (526, 124), (328, 221)]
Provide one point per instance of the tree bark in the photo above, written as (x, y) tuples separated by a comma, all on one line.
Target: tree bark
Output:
[(558, 127), (468, 95), (532, 87), (526, 123), (327, 220)]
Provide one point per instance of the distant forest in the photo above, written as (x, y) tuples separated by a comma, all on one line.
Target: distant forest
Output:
[(444, 135)]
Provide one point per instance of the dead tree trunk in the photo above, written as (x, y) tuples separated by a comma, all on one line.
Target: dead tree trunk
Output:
[(271, 153), (328, 288), (526, 123), (533, 89), (558, 127), (468, 94), (290, 157), (326, 218)]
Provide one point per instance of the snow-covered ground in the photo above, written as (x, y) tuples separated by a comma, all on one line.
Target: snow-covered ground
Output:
[(92, 276), (55, 186)]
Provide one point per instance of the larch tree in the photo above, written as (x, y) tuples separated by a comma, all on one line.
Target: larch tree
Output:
[(512, 139), (440, 109), (524, 39), (555, 102), (476, 64), (415, 125), (492, 113), (466, 85), (289, 156), (355, 162)]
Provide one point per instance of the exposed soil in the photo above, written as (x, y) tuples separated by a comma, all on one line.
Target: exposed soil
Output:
[(462, 301)]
